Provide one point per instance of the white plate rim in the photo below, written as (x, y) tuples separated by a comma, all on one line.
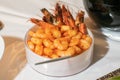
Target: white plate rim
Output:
[(2, 46)]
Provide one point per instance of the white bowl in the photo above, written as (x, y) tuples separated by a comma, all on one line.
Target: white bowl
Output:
[(64, 67), (2, 46)]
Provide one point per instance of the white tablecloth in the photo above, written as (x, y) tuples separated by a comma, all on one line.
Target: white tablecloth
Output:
[(15, 16)]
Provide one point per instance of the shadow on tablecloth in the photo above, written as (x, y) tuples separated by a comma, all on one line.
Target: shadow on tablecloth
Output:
[(100, 41), (14, 58)]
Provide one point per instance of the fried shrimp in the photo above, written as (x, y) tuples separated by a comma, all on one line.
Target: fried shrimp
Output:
[(88, 39)]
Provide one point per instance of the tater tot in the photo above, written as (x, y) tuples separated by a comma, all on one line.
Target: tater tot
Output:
[(60, 53), (31, 45), (65, 28), (54, 56), (78, 35), (70, 33), (48, 43), (56, 33), (70, 51), (41, 35), (74, 41), (84, 44), (39, 49), (32, 34), (36, 40), (48, 51), (78, 50)]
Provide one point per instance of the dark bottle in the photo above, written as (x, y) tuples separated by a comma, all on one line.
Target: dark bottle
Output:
[(105, 13)]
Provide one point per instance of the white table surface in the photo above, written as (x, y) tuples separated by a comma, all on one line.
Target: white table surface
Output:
[(13, 65)]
